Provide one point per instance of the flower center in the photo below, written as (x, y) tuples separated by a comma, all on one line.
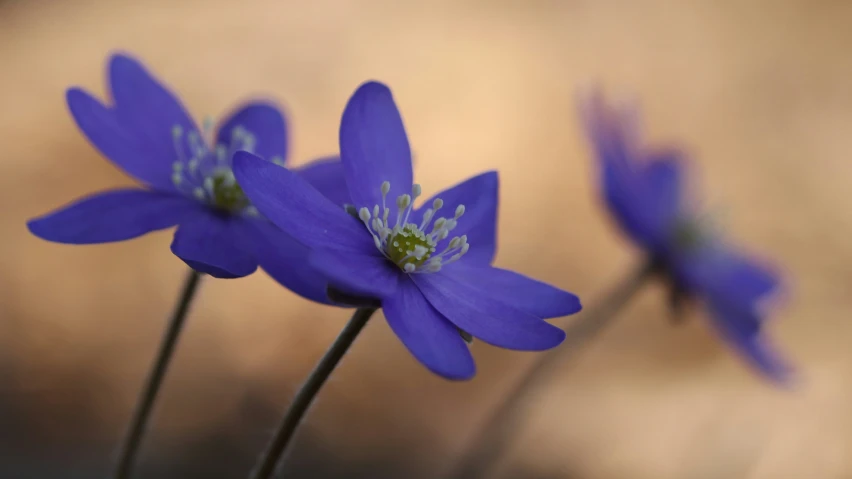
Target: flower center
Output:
[(408, 245), (204, 172), (688, 235)]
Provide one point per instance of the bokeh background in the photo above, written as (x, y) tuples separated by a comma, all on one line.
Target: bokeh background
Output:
[(760, 92)]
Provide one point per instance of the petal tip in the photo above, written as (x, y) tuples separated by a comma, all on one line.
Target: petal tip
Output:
[(36, 228), (372, 87), (244, 161), (120, 60), (457, 375)]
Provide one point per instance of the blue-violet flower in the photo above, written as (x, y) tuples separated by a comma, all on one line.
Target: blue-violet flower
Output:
[(644, 190), (431, 270), (188, 181)]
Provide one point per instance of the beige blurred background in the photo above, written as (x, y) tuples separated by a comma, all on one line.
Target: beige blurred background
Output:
[(761, 93)]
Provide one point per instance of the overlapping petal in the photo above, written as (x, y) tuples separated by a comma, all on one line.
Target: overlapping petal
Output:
[(150, 113), (328, 177), (355, 273), (116, 142), (428, 335), (298, 208), (265, 121), (479, 195), (474, 310), (516, 290), (741, 327), (210, 243), (284, 259)]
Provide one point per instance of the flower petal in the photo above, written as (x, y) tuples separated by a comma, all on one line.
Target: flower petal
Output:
[(298, 208), (265, 121), (518, 291), (374, 147), (721, 272), (284, 259), (480, 196), (148, 110), (211, 243), (741, 327), (474, 310), (328, 177), (355, 273), (663, 178), (433, 340), (163, 132), (115, 215), (101, 126), (627, 188)]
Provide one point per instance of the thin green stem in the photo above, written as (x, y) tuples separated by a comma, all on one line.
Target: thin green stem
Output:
[(492, 440), (278, 446), (130, 446)]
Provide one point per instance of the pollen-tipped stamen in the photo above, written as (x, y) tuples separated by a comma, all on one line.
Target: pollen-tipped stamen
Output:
[(408, 245), (204, 172)]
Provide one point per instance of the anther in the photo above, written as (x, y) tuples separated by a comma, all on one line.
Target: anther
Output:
[(385, 187), (364, 214), (459, 211), (403, 201)]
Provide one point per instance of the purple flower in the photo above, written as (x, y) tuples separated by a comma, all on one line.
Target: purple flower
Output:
[(430, 266), (645, 192), (187, 178)]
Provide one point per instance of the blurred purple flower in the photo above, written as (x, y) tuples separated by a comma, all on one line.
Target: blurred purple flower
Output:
[(187, 181), (644, 190), (432, 287)]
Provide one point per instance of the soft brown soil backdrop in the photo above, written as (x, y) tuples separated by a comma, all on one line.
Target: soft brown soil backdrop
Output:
[(761, 93)]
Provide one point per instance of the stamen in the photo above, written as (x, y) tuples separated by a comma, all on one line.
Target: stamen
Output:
[(409, 245), (203, 170), (459, 211), (207, 126)]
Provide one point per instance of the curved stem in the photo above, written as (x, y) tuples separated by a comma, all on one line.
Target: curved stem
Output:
[(493, 439), (278, 446), (130, 447)]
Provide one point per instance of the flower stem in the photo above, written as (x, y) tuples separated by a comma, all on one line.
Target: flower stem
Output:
[(492, 440), (278, 446), (130, 447)]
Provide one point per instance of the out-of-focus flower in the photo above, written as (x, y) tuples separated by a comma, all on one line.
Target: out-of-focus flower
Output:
[(188, 181), (433, 286), (645, 191)]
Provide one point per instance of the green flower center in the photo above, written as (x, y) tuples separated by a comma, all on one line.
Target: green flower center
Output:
[(409, 238), (227, 194), (412, 246), (203, 169), (688, 235)]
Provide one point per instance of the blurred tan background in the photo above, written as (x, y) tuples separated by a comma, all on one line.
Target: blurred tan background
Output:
[(761, 93)]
